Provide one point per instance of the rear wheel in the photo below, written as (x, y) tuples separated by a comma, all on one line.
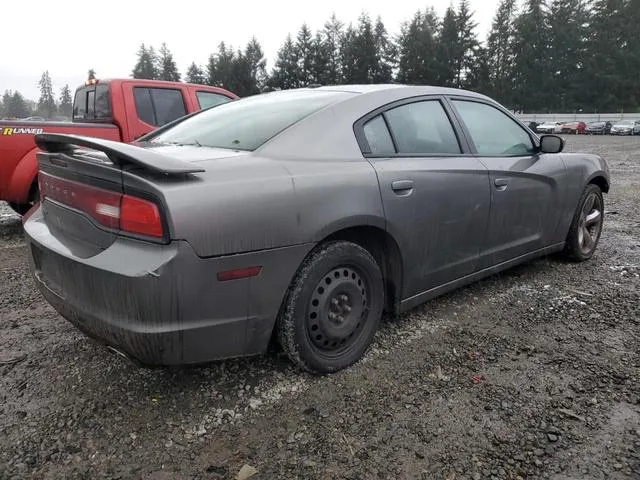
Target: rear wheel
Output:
[(333, 308), (586, 226)]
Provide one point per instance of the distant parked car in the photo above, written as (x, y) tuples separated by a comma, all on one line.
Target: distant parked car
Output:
[(626, 127), (549, 127), (598, 128), (573, 127)]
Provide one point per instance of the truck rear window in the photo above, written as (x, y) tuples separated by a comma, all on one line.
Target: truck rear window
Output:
[(92, 103)]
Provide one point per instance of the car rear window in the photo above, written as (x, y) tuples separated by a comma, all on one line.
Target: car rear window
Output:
[(247, 123)]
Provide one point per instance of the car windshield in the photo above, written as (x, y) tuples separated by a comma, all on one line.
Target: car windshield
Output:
[(626, 122), (247, 123)]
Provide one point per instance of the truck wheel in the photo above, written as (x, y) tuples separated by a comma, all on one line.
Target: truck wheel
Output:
[(586, 226), (332, 310), (22, 208)]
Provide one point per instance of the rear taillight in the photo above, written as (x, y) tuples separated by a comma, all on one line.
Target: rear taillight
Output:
[(113, 210), (140, 216)]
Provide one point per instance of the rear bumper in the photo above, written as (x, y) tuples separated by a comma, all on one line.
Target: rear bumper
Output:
[(162, 304)]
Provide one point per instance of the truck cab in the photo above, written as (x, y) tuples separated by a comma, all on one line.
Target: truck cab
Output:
[(114, 109)]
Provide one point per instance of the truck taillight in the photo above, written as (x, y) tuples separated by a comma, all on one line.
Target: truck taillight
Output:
[(110, 209)]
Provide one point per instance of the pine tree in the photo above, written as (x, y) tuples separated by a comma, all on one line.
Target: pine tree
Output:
[(631, 54), (166, 65), (195, 74), (385, 54), (321, 70), (91, 75), (417, 45), (285, 73), (211, 74), (225, 58), (18, 107), (449, 51), (304, 51), (258, 66), (479, 78), (145, 67), (6, 103), (66, 102), (500, 53), (567, 20), (467, 43), (531, 66), (47, 103), (605, 67), (333, 33), (360, 55)]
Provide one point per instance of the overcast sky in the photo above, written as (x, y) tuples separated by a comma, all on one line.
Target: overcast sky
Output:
[(67, 37)]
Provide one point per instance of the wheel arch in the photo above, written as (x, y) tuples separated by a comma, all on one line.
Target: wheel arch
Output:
[(600, 180), (385, 250), (21, 183)]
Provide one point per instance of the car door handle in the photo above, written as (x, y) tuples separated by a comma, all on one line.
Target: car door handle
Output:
[(501, 183), (402, 187)]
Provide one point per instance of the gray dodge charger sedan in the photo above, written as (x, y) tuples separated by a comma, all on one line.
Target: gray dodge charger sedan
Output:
[(301, 216)]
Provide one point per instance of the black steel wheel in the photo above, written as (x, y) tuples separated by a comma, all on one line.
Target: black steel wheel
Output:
[(586, 226), (333, 308)]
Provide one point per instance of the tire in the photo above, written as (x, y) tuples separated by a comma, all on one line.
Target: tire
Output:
[(22, 208), (333, 308), (586, 226)]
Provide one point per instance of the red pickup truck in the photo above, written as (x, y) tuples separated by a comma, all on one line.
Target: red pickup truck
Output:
[(115, 109)]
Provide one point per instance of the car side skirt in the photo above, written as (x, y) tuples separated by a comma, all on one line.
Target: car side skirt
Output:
[(423, 297)]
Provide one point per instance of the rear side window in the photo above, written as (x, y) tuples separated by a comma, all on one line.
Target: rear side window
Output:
[(247, 123), (210, 99), (422, 128), (159, 106), (92, 103), (378, 137)]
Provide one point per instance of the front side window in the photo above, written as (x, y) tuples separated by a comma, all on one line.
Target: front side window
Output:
[(168, 105), (210, 99), (247, 123), (493, 133), (422, 128), (144, 107)]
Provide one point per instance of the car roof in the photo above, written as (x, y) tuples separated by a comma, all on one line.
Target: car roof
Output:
[(411, 89)]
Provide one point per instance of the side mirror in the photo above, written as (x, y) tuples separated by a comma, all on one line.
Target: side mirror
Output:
[(551, 144)]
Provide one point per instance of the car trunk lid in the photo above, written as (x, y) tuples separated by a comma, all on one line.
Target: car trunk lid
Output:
[(90, 193)]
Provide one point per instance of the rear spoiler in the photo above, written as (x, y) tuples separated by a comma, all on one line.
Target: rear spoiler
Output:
[(118, 152)]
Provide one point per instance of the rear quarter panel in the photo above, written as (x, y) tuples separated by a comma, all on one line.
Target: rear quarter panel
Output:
[(581, 168), (18, 164), (269, 204)]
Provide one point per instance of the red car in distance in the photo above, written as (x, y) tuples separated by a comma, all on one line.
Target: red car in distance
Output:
[(576, 128)]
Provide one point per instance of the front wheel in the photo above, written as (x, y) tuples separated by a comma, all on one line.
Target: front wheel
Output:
[(332, 311), (586, 226)]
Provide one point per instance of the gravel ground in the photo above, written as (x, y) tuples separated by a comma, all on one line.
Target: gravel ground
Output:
[(532, 374)]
